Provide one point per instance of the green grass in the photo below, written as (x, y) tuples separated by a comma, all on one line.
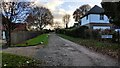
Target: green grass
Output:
[(42, 39), (15, 60), (93, 43)]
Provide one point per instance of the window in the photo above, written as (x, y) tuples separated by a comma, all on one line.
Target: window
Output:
[(101, 17), (101, 27), (87, 17)]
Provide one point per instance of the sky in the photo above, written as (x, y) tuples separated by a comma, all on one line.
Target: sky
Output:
[(61, 7)]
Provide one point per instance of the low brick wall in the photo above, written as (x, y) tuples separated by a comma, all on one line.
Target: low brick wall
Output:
[(21, 36)]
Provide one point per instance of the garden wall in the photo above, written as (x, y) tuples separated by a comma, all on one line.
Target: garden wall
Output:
[(21, 36)]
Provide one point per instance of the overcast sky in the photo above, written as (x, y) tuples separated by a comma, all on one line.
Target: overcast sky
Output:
[(62, 7)]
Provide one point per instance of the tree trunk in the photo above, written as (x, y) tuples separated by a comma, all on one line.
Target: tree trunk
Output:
[(66, 26), (8, 34)]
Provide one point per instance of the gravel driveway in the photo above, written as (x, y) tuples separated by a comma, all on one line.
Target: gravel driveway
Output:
[(61, 52)]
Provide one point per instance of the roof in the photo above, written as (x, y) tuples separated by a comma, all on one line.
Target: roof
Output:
[(19, 26), (95, 10)]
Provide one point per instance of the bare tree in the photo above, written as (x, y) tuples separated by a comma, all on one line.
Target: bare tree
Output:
[(85, 8), (12, 11), (41, 17), (66, 19), (78, 13), (56, 25)]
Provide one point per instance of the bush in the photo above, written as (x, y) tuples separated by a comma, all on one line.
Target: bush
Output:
[(74, 32), (93, 34), (115, 37), (84, 32)]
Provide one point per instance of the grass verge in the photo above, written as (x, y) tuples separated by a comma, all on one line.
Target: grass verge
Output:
[(41, 39), (11, 60), (110, 49)]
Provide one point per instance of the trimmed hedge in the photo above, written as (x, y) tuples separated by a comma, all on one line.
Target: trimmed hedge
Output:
[(74, 32), (84, 32)]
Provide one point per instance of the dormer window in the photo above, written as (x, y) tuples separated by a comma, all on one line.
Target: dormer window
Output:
[(101, 17)]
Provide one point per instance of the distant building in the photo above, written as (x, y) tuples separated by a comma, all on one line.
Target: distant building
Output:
[(96, 19), (15, 27), (19, 27)]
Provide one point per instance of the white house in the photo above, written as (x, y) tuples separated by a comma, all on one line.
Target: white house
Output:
[(96, 19)]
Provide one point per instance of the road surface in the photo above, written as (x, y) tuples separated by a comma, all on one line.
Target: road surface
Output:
[(62, 52)]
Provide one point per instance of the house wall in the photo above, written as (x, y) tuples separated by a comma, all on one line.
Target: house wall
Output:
[(84, 20), (94, 18)]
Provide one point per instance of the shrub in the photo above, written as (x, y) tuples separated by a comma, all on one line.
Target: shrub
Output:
[(84, 32), (75, 32)]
